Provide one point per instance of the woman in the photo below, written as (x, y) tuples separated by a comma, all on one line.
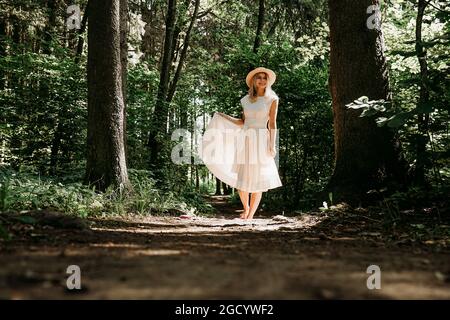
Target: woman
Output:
[(249, 164)]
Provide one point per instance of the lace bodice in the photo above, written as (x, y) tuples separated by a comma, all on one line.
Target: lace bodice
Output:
[(256, 113)]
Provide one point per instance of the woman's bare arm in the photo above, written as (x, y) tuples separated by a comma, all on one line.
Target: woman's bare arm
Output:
[(273, 124), (239, 122)]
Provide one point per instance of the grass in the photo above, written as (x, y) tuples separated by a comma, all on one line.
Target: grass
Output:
[(23, 191)]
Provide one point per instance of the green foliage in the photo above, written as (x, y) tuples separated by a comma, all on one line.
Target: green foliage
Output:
[(195, 199), (142, 84), (415, 120), (26, 191), (415, 199), (386, 115), (45, 102), (405, 79)]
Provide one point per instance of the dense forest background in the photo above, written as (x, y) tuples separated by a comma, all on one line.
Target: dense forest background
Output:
[(185, 60)]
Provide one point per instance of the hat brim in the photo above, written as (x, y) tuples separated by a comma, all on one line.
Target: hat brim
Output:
[(270, 73)]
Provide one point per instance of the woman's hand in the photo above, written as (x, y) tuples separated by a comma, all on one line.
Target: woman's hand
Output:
[(272, 152), (223, 115), (238, 122)]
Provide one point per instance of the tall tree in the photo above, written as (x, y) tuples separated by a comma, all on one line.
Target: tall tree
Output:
[(424, 96), (3, 45), (183, 53), (261, 12), (366, 156), (81, 31), (124, 65), (106, 163), (50, 26), (154, 22), (159, 119)]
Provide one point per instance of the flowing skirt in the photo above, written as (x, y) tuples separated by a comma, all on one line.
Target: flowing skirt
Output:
[(239, 155)]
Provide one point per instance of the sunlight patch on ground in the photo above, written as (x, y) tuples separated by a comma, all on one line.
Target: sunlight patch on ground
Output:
[(218, 224), (413, 285)]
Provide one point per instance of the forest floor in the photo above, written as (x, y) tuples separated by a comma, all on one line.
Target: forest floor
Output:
[(315, 255)]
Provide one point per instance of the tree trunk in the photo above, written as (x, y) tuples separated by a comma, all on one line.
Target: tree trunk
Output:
[(124, 65), (218, 188), (423, 119), (260, 26), (183, 54), (80, 34), (197, 179), (50, 27), (226, 188), (174, 51), (366, 156), (159, 120), (105, 150), (3, 33), (56, 143), (151, 36)]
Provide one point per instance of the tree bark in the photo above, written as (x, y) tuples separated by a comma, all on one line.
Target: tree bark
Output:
[(152, 35), (159, 119), (197, 179), (106, 163), (424, 95), (124, 65), (183, 54), (366, 156), (260, 26), (56, 144), (50, 27), (80, 34), (3, 34), (174, 51), (218, 188), (226, 188)]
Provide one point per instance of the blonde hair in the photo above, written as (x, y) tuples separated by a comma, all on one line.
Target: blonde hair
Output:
[(253, 92)]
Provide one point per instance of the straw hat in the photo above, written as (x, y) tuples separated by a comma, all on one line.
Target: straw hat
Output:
[(270, 73)]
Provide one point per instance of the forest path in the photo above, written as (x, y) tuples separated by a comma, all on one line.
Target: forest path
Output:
[(164, 257)]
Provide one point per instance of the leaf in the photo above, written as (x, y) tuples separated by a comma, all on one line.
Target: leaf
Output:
[(398, 120), (379, 107), (426, 107), (381, 121), (368, 113), (363, 99), (356, 106)]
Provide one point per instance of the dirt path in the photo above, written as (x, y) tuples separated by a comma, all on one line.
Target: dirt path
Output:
[(220, 257)]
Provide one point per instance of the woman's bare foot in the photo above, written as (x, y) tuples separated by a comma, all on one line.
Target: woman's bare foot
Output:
[(244, 214), (250, 216)]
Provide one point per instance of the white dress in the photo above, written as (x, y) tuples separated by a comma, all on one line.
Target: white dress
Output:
[(238, 155)]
